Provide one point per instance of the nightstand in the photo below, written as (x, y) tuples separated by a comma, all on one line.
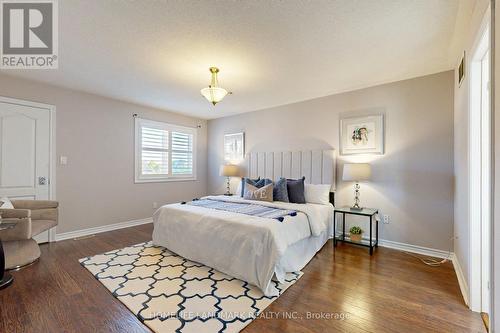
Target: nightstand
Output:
[(368, 212)]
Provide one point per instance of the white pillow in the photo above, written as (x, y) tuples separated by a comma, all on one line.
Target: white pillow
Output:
[(5, 203), (318, 194)]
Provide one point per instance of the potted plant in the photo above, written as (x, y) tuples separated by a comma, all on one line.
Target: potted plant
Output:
[(355, 233)]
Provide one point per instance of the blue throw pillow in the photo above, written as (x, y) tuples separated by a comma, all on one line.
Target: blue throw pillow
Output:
[(280, 190), (296, 190), (263, 182), (249, 181)]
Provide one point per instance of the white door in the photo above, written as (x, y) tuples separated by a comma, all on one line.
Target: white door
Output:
[(24, 152)]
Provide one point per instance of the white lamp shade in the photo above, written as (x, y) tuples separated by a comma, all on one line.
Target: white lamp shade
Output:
[(214, 94), (229, 170), (356, 172)]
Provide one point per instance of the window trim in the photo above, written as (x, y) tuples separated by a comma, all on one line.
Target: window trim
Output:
[(140, 178)]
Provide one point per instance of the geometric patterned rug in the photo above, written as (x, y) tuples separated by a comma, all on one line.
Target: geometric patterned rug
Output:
[(171, 294)]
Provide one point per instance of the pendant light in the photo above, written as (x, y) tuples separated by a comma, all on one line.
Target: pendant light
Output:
[(213, 93)]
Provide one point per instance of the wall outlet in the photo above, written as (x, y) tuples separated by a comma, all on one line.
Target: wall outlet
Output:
[(386, 219), (155, 205)]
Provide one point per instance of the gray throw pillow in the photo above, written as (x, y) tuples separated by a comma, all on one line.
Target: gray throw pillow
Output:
[(280, 190), (296, 190)]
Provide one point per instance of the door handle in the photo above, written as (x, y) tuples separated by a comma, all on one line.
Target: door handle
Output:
[(42, 181)]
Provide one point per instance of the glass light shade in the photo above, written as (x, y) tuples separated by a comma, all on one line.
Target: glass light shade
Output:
[(214, 94), (356, 172)]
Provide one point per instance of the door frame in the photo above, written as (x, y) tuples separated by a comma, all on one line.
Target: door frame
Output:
[(52, 146), (475, 191)]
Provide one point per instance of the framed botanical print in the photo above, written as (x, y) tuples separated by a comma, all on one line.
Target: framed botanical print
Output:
[(234, 147), (362, 135)]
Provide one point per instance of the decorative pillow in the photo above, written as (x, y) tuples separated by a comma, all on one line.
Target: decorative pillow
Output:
[(5, 203), (241, 187), (252, 181), (263, 182), (264, 193), (280, 191), (318, 194), (295, 189)]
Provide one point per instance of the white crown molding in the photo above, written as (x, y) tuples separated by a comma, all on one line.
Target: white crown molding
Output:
[(104, 228)]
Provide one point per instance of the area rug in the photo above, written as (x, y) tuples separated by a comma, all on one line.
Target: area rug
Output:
[(171, 294)]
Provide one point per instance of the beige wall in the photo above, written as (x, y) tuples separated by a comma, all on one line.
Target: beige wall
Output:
[(97, 187), (412, 181)]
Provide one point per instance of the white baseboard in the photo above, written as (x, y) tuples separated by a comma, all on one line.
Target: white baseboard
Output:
[(104, 228), (464, 287), (426, 251)]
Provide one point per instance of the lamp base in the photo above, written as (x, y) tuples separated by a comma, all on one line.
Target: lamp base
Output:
[(228, 194), (356, 206), (228, 190)]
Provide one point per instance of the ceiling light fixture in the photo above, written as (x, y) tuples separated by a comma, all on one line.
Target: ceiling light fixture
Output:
[(214, 94)]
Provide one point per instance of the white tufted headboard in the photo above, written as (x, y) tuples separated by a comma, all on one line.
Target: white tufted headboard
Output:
[(318, 166)]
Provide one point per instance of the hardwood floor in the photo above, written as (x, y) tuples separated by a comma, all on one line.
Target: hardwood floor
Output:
[(388, 292)]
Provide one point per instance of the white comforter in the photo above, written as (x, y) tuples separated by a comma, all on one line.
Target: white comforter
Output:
[(243, 246)]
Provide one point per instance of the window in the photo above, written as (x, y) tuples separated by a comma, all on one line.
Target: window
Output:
[(164, 152)]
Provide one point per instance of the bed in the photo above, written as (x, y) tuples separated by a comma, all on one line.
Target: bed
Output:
[(252, 248)]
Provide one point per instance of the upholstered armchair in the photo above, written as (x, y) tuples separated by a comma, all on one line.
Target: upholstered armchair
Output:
[(32, 217)]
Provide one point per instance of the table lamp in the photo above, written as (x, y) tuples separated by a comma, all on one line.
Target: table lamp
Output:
[(356, 172), (228, 171)]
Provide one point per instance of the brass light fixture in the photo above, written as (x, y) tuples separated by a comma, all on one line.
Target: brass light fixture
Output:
[(213, 93)]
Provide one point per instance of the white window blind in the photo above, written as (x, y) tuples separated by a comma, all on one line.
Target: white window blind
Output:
[(182, 153), (154, 151), (164, 151)]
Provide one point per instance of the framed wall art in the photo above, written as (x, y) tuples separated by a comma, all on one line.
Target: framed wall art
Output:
[(362, 135), (234, 147)]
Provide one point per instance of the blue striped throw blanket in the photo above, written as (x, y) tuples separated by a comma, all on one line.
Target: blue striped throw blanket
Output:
[(244, 208)]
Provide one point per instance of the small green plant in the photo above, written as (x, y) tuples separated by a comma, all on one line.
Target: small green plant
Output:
[(356, 230)]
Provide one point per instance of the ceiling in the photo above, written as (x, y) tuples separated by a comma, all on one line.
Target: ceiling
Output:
[(157, 53)]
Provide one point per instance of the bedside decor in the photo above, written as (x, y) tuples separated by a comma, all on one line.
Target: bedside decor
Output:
[(355, 234), (362, 135), (228, 171), (234, 147), (213, 93), (356, 172)]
